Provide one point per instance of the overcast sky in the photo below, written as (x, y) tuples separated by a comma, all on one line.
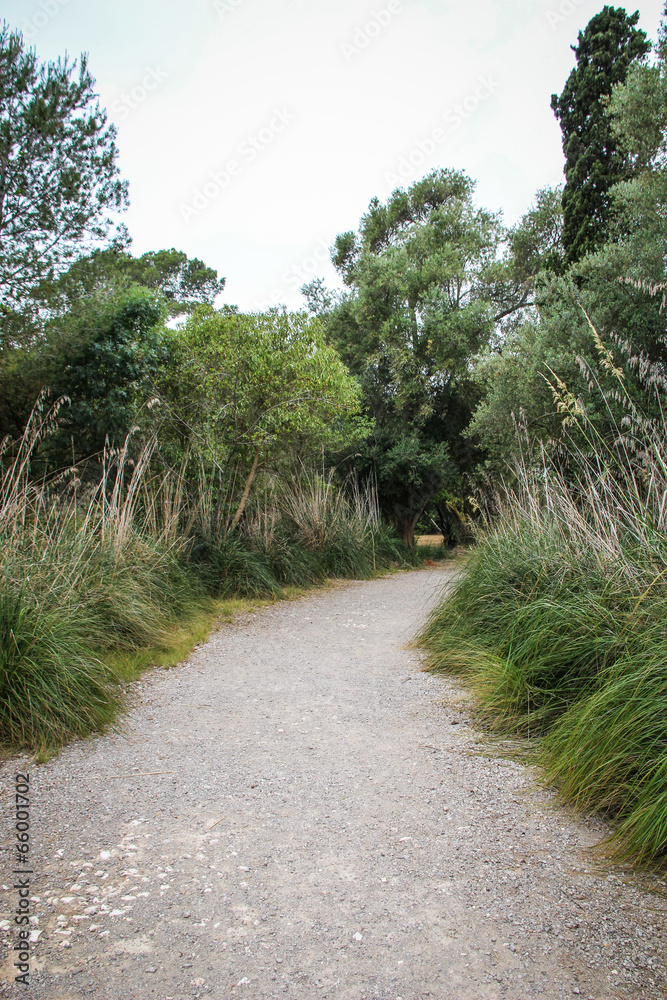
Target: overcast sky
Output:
[(253, 131)]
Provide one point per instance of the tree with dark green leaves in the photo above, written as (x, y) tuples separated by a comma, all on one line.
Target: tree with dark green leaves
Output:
[(105, 356), (92, 327), (638, 109), (532, 247), (250, 393), (59, 179), (594, 161), (185, 282), (418, 307), (620, 286)]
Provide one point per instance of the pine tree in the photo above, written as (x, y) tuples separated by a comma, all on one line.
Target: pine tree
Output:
[(593, 159), (59, 180)]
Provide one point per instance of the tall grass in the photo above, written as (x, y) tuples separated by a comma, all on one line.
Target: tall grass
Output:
[(77, 578), (558, 622), (90, 576), (300, 533), (342, 526)]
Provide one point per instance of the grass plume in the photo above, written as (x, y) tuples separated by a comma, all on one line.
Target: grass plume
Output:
[(557, 623)]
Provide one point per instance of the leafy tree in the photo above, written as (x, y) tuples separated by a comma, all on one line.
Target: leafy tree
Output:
[(59, 180), (515, 399), (249, 390), (533, 246), (184, 282), (593, 160), (556, 342), (96, 325), (638, 109), (319, 298), (105, 356), (608, 281), (418, 307), (613, 280)]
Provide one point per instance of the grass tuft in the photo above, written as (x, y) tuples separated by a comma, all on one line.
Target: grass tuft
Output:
[(557, 625)]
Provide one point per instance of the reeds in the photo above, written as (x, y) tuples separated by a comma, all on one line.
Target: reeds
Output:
[(79, 576), (88, 574), (301, 533), (558, 623)]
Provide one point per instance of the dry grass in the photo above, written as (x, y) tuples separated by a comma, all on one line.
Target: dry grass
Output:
[(431, 540)]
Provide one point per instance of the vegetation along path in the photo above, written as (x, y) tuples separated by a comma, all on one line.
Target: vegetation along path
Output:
[(301, 811)]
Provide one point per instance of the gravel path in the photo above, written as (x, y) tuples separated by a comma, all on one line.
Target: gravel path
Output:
[(300, 812)]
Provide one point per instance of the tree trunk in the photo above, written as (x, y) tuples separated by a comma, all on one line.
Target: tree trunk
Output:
[(414, 326), (405, 525), (246, 491)]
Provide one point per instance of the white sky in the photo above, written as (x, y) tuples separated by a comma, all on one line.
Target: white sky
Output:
[(316, 104)]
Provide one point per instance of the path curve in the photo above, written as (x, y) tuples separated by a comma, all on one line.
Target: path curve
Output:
[(301, 812)]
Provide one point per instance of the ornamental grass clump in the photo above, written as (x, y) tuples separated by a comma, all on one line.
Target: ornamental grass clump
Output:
[(558, 622), (79, 577)]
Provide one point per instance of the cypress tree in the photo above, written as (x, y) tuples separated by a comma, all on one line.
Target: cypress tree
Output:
[(593, 159)]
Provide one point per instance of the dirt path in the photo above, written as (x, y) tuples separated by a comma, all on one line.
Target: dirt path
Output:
[(299, 812)]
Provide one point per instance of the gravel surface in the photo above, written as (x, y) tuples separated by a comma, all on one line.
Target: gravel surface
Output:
[(300, 812)]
